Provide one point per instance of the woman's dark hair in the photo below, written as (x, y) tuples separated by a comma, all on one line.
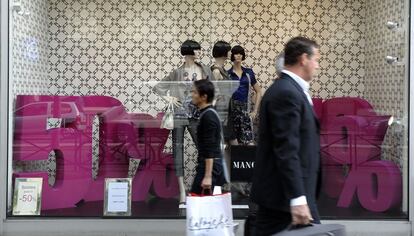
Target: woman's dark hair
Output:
[(205, 87), (220, 49), (238, 50), (297, 46), (188, 47)]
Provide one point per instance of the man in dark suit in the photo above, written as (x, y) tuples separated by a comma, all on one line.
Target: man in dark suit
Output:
[(288, 160)]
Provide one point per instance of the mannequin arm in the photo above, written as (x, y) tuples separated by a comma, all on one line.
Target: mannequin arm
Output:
[(164, 85), (258, 91)]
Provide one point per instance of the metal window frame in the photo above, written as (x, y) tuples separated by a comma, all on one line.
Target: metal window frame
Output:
[(410, 69)]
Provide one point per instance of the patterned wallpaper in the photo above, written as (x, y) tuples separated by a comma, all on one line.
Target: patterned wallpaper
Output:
[(29, 48), (386, 86), (338, 26), (109, 47)]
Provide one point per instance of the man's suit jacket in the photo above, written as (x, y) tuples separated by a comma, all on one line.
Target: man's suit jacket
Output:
[(287, 159)]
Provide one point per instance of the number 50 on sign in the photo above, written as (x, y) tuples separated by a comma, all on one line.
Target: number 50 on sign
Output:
[(27, 196)]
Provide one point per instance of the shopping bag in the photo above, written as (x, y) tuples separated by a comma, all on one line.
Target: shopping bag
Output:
[(209, 215), (167, 121)]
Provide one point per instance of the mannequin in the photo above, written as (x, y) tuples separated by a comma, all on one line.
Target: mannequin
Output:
[(221, 53), (240, 113), (179, 84), (241, 116)]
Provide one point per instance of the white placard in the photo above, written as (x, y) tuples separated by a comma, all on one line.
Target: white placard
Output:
[(118, 197), (27, 196)]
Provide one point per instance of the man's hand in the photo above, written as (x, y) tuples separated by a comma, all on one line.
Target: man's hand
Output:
[(301, 215), (206, 183)]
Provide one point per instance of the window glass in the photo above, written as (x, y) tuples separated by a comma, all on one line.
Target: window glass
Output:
[(103, 69)]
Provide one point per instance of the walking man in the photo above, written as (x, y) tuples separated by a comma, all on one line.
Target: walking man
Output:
[(210, 169), (288, 160)]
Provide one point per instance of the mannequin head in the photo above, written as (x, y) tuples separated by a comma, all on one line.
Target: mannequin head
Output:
[(238, 54), (190, 48), (221, 49)]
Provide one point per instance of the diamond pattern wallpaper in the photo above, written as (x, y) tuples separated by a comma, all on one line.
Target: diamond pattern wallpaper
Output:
[(386, 85), (110, 47), (29, 48)]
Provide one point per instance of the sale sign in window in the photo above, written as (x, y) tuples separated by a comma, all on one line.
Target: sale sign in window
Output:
[(27, 196)]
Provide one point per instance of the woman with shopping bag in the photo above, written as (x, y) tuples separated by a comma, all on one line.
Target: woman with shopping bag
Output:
[(208, 214)]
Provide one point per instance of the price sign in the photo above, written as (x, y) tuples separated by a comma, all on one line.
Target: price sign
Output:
[(27, 196), (117, 197)]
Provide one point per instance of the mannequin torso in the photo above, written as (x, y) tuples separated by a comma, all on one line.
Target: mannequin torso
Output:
[(192, 72), (218, 70)]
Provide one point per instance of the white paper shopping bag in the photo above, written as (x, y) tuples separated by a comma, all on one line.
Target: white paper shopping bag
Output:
[(210, 215)]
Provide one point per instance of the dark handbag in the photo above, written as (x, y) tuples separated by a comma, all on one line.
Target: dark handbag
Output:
[(315, 230)]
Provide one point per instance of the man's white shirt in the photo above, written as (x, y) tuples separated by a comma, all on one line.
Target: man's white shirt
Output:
[(305, 87)]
